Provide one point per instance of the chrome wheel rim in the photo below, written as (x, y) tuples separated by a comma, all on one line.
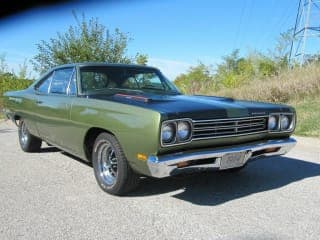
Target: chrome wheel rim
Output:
[(107, 163), (24, 134)]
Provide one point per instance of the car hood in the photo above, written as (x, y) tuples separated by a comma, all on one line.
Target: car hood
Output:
[(197, 107)]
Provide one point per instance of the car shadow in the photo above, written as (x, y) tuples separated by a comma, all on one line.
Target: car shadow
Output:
[(77, 159), (49, 149), (52, 149), (214, 188)]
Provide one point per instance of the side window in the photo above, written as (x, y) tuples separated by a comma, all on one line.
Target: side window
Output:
[(73, 85), (61, 80), (43, 87)]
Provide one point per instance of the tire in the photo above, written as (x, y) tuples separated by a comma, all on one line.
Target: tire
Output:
[(28, 142), (111, 168)]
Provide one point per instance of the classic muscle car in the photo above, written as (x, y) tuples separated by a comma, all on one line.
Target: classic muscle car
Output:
[(130, 121)]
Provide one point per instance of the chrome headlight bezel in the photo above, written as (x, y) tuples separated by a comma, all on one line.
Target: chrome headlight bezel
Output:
[(280, 128), (176, 140)]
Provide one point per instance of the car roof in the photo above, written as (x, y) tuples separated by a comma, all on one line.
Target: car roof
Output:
[(102, 64)]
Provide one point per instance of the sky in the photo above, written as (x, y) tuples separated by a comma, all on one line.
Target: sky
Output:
[(175, 34)]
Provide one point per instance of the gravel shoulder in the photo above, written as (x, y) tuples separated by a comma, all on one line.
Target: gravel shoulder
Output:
[(51, 195)]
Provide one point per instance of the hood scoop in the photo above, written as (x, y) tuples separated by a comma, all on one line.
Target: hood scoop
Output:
[(132, 97)]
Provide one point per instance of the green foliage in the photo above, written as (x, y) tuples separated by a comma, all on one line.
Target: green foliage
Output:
[(87, 41), (3, 64), (282, 49), (266, 67), (232, 72), (196, 79), (287, 85), (235, 70), (23, 70), (9, 80), (308, 112), (141, 59)]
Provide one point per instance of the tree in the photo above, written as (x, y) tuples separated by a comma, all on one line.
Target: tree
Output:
[(3, 64), (87, 41), (234, 70), (282, 49), (23, 71), (196, 79), (141, 59)]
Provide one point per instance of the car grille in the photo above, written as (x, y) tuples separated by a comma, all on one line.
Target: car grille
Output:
[(205, 129)]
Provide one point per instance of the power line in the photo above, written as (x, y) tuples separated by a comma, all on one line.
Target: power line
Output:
[(240, 23), (278, 24), (248, 18)]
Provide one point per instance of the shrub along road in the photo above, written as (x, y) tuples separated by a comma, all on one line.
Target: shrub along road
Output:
[(50, 195)]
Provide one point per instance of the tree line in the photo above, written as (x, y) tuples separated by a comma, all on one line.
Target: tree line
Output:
[(235, 70), (86, 41)]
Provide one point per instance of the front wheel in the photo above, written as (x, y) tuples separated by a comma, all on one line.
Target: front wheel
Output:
[(111, 168), (28, 142)]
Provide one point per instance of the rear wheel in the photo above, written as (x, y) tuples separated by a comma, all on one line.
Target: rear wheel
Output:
[(111, 168), (28, 142)]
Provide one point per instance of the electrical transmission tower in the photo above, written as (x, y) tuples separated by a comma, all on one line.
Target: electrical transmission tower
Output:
[(306, 36)]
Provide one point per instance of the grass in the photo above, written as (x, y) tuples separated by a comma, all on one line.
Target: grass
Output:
[(308, 116), (288, 85)]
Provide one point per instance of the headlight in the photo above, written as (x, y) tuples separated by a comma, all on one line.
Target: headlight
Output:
[(183, 131), (175, 132), (279, 122), (284, 122), (167, 132), (273, 123)]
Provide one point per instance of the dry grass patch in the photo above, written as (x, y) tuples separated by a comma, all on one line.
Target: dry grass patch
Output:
[(287, 86)]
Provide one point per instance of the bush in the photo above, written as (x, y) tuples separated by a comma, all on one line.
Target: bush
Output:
[(9, 82), (290, 84), (197, 79)]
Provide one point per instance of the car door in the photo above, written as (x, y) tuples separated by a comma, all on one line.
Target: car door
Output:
[(53, 106)]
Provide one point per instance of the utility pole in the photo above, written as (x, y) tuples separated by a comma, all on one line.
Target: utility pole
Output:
[(306, 34)]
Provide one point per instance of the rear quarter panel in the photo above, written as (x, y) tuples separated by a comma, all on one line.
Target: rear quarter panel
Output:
[(22, 104)]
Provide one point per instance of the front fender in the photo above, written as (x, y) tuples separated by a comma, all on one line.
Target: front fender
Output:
[(136, 128)]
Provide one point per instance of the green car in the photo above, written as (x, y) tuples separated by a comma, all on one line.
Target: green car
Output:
[(130, 121)]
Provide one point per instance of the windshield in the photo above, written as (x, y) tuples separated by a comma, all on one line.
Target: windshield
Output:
[(97, 79)]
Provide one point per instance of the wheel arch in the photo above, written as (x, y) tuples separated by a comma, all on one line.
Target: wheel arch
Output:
[(16, 119), (90, 138)]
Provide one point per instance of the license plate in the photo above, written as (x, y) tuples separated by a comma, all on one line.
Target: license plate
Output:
[(233, 160)]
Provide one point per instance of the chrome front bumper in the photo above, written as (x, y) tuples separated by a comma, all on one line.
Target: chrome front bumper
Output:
[(172, 164)]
